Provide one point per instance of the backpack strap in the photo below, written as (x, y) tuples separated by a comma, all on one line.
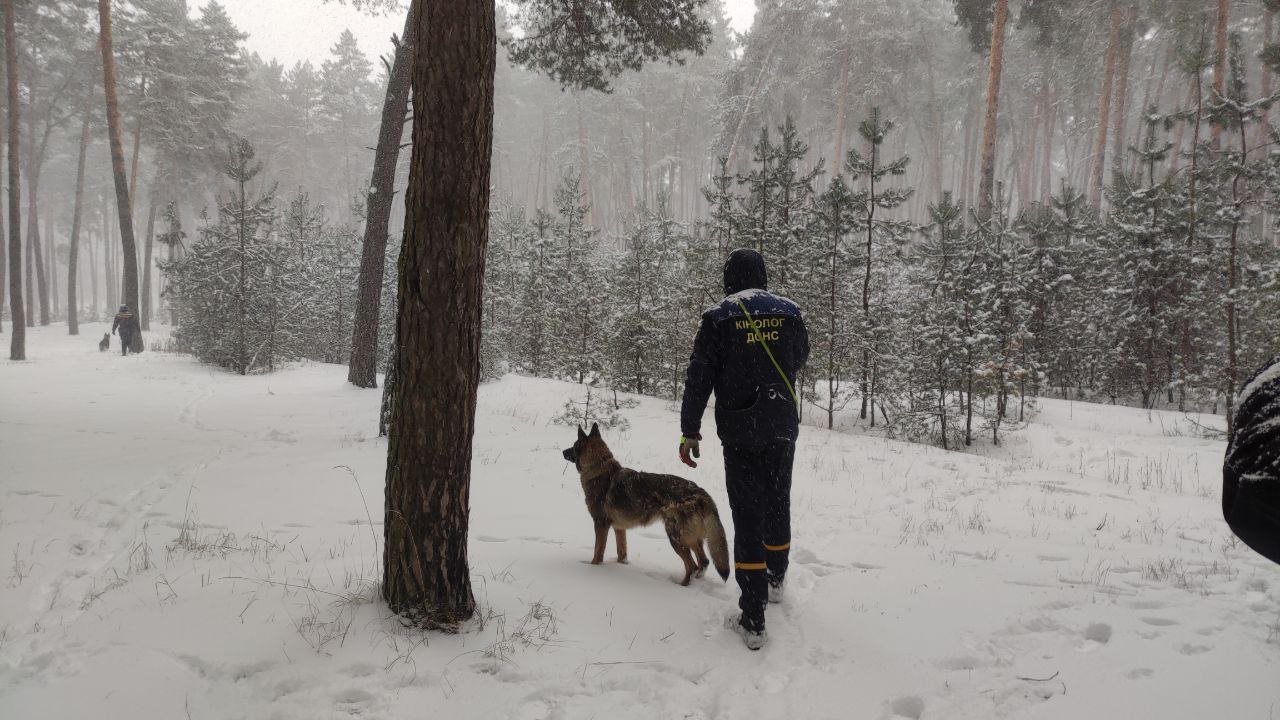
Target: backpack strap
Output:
[(785, 380)]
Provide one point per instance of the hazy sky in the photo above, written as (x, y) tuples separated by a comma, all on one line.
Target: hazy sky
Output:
[(294, 30)]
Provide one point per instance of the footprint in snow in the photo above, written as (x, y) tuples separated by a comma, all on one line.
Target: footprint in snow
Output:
[(1159, 621), (360, 669), (1140, 673), (1192, 649), (1095, 636), (910, 706), (353, 697), (966, 662)]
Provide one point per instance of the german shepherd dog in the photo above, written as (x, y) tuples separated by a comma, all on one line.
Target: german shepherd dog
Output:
[(105, 343), (620, 498)]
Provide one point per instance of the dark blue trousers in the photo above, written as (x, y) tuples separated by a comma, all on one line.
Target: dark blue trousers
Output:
[(758, 479)]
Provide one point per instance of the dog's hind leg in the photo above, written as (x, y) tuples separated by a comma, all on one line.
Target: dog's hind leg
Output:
[(703, 562)]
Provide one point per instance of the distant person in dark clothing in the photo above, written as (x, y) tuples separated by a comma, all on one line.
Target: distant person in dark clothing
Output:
[(1251, 470), (748, 351), (127, 324)]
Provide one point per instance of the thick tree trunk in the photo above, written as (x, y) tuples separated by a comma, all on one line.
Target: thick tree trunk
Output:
[(137, 146), (1219, 69), (145, 310), (73, 304), (50, 234), (363, 368), (41, 288), (18, 336), (933, 143), (842, 99), (30, 282), (1104, 109), (1046, 159), (986, 187), (1268, 24), (1125, 57), (123, 205), (4, 241), (425, 573)]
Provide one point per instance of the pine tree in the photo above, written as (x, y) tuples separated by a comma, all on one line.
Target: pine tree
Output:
[(578, 313), (940, 361), (828, 296), (881, 242), (227, 289)]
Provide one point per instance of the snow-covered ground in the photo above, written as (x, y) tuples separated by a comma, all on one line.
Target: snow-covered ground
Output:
[(180, 542)]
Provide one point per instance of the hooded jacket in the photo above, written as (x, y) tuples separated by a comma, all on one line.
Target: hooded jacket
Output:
[(753, 404), (125, 322), (1251, 468)]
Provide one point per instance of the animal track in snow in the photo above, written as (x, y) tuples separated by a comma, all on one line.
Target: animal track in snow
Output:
[(1098, 632), (910, 706), (966, 662), (353, 697), (1192, 649), (1140, 673)]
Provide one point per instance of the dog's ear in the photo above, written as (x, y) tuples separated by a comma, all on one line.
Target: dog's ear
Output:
[(581, 434), (595, 430)]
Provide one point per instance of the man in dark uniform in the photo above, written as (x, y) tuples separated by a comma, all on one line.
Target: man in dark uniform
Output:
[(748, 350), (1251, 469), (127, 324)]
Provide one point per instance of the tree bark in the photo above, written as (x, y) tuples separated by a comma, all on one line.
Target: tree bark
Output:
[(363, 369), (1104, 109), (1219, 69), (137, 144), (41, 287), (1125, 57), (1267, 33), (18, 334), (144, 312), (73, 305), (123, 205), (986, 187), (425, 573), (1046, 159)]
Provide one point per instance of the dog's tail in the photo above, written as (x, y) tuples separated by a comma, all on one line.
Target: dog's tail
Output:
[(718, 544)]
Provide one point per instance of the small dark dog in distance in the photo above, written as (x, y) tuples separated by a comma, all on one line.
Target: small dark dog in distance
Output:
[(620, 498), (105, 343)]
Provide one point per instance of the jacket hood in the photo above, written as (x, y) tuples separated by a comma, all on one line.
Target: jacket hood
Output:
[(744, 270)]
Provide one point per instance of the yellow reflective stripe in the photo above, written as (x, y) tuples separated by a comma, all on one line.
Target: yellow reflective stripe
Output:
[(749, 566), (783, 546)]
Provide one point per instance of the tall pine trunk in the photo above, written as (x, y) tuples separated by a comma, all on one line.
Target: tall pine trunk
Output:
[(18, 336), (842, 99), (36, 260), (1124, 59), (1219, 68), (123, 205), (425, 573), (73, 255), (986, 187), (1119, 117), (144, 312), (1104, 109), (363, 368)]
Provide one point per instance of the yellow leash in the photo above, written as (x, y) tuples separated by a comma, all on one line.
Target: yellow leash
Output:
[(772, 359)]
